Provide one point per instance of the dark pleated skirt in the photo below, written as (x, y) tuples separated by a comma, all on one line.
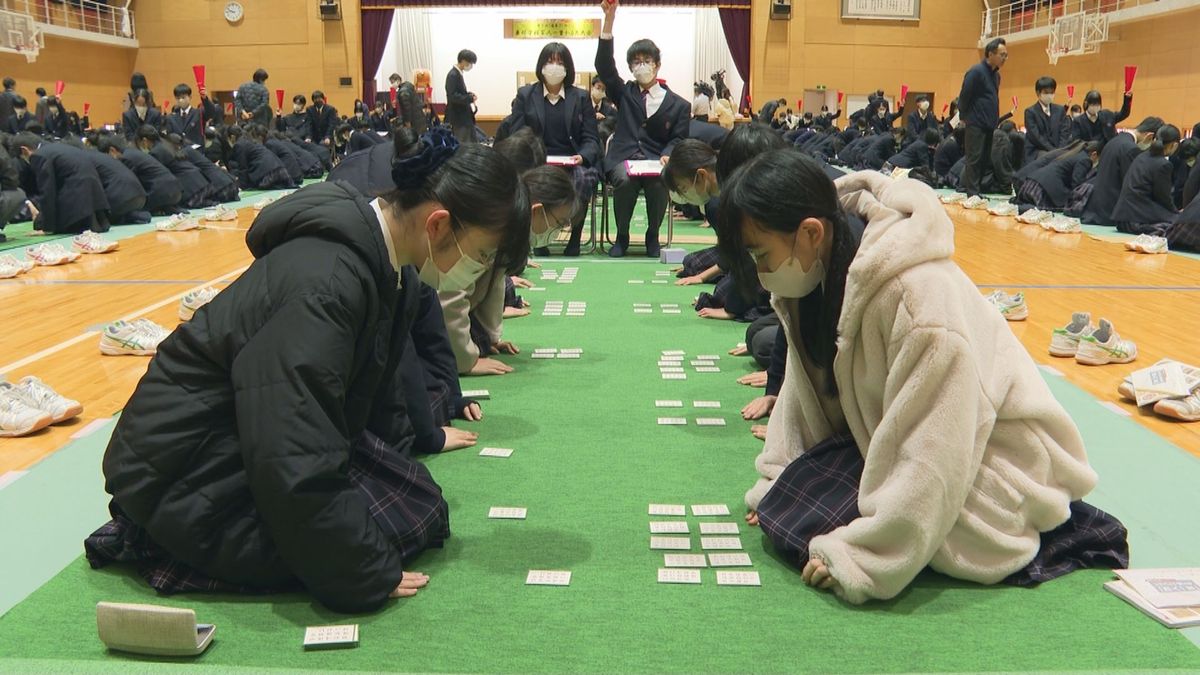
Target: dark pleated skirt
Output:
[(818, 493), (696, 262)]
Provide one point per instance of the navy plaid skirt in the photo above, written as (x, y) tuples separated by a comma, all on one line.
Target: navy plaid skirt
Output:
[(402, 496), (1078, 201), (818, 493), (696, 262), (1184, 235), (1031, 192)]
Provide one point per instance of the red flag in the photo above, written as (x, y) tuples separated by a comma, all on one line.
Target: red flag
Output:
[(799, 104), (198, 71), (1130, 73), (87, 107), (1015, 101), (392, 93), (279, 98), (59, 86), (1070, 92), (903, 93), (840, 96), (166, 105), (945, 108)]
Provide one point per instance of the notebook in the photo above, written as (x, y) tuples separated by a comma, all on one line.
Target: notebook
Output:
[(1169, 596)]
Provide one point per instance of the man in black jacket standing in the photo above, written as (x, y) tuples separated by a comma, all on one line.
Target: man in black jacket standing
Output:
[(460, 115), (979, 107), (651, 119)]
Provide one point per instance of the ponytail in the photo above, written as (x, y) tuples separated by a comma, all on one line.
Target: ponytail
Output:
[(1166, 135)]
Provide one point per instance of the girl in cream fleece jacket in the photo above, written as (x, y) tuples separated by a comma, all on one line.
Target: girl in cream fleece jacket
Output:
[(967, 455)]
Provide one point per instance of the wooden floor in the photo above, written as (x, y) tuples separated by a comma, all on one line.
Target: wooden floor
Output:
[(52, 317)]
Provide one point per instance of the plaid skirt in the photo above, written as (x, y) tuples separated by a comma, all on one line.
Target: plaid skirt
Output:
[(1184, 235), (401, 495), (1031, 193), (696, 262), (1078, 201), (818, 493)]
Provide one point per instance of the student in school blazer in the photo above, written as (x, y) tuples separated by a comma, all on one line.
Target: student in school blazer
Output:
[(528, 110), (1045, 132), (460, 116), (190, 123)]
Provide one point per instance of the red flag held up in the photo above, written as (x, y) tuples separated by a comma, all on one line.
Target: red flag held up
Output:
[(1130, 73)]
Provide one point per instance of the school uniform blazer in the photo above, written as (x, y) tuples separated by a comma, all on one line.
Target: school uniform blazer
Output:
[(1043, 132), (283, 151), (1192, 187), (189, 126), (483, 300), (1115, 160), (254, 164), (652, 137), (529, 110), (1104, 129), (130, 122), (913, 155), (6, 103), (606, 107), (56, 126), (459, 112), (877, 151), (968, 456), (121, 186), (882, 125), (295, 125), (916, 127), (217, 177), (1146, 193), (1060, 176), (948, 152), (161, 186), (190, 178), (69, 187), (15, 125), (712, 134), (322, 123)]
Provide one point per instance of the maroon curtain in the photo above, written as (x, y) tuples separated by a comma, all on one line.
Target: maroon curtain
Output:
[(376, 24), (736, 24), (365, 4)]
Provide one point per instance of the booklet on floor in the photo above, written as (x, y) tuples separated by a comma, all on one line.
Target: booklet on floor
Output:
[(1169, 596)]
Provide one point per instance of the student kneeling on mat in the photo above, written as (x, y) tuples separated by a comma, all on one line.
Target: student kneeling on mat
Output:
[(912, 428), (266, 447)]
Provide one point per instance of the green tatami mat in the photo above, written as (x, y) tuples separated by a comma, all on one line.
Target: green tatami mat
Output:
[(20, 235), (589, 457)]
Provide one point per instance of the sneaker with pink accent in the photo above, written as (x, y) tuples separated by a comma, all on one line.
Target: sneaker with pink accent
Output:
[(50, 255), (90, 242), (11, 266), (178, 223)]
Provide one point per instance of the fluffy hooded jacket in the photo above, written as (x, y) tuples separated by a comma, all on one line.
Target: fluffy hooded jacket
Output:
[(968, 456)]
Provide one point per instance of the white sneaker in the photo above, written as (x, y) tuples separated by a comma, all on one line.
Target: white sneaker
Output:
[(953, 198), (194, 301), (1186, 409), (1063, 225), (136, 338), (1011, 307), (1104, 346), (220, 212), (1147, 243), (1190, 373), (90, 242), (1035, 216), (264, 203), (1002, 209), (11, 266), (50, 255), (898, 173), (975, 202), (1064, 341), (178, 223), (35, 394), (18, 418)]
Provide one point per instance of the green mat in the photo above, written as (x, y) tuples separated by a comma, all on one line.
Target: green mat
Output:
[(20, 235), (588, 459)]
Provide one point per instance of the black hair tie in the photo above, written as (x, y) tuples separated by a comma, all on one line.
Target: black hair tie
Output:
[(437, 146)]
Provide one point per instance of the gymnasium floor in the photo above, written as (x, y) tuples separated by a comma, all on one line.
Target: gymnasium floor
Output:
[(589, 458)]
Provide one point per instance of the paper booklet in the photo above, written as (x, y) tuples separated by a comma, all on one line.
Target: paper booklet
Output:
[(1169, 596), (561, 160), (1165, 379), (643, 167)]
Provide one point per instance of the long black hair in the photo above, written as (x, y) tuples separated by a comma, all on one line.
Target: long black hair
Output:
[(550, 186), (1166, 135), (689, 156), (560, 50), (477, 185), (776, 191), (524, 149), (745, 142)]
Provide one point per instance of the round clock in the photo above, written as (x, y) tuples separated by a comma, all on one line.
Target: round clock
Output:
[(234, 12)]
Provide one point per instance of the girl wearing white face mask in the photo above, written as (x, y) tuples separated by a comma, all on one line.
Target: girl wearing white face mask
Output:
[(141, 113), (293, 422), (1097, 124), (563, 117), (919, 121), (553, 203), (909, 411)]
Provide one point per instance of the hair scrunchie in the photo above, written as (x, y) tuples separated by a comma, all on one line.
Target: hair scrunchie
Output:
[(437, 146)]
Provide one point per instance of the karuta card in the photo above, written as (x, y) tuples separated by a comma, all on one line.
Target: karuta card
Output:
[(708, 357), (496, 452), (678, 576), (572, 355), (670, 364), (572, 350), (544, 355), (710, 421), (662, 273), (674, 376), (477, 393), (668, 404), (548, 578), (706, 404), (729, 559), (710, 510), (672, 311), (659, 281), (707, 364), (709, 369), (331, 637), (507, 513), (636, 281), (721, 543), (673, 352), (670, 369), (669, 527), (672, 421), (546, 350), (667, 510), (726, 578), (671, 543), (684, 560), (643, 310), (718, 528)]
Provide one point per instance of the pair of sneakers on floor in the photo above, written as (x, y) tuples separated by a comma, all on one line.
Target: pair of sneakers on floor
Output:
[(1091, 345), (31, 405), (1186, 408)]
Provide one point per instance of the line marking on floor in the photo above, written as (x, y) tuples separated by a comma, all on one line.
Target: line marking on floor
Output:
[(128, 317), (91, 428), (9, 478), (1116, 408), (1051, 370), (1092, 288)]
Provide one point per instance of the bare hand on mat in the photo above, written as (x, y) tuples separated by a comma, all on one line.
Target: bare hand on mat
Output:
[(715, 313), (457, 439), (486, 366), (690, 281), (473, 413), (506, 347), (758, 379), (410, 583), (758, 408), (752, 519), (739, 351), (759, 431), (521, 282), (514, 313), (817, 575)]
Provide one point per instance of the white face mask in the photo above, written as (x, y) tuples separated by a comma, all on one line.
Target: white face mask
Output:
[(643, 73), (554, 73), (1046, 99), (141, 110), (460, 275), (924, 106), (882, 112), (542, 239), (1093, 110), (597, 95), (692, 195), (790, 280)]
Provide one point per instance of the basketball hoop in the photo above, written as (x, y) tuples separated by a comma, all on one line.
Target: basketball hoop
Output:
[(1077, 34), (19, 34)]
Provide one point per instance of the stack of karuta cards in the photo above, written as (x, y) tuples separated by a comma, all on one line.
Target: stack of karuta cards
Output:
[(706, 363), (700, 421), (568, 275), (670, 365), (558, 353), (684, 568), (660, 277)]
